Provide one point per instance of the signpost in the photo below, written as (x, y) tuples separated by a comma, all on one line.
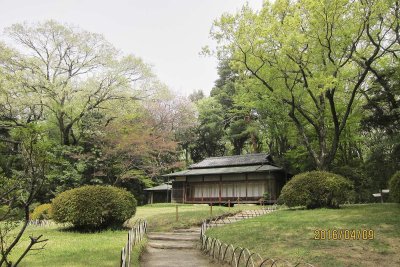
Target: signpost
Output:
[(380, 194)]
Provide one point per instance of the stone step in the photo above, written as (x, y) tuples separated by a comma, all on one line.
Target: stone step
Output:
[(173, 236), (189, 230), (180, 247), (185, 233), (170, 244), (154, 257)]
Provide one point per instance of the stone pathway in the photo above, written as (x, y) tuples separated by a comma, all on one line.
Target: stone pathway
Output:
[(175, 249), (181, 247)]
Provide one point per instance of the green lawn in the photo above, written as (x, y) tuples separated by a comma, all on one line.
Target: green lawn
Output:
[(289, 234), (162, 217), (74, 249)]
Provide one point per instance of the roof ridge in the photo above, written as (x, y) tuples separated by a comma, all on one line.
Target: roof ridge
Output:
[(235, 160), (243, 155)]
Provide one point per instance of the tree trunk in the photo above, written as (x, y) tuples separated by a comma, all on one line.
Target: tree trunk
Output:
[(65, 132)]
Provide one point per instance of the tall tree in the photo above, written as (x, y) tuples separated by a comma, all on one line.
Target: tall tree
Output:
[(84, 94), (313, 57), (209, 131), (238, 117), (382, 109), (64, 72)]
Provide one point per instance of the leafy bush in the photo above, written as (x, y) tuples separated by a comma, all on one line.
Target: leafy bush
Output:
[(266, 196), (394, 187), (42, 212), (316, 189), (3, 210), (362, 183), (94, 207), (11, 213)]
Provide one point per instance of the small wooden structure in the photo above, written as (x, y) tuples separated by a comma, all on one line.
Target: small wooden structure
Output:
[(231, 179), (159, 194)]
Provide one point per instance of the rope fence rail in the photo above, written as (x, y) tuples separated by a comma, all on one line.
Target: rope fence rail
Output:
[(235, 255)]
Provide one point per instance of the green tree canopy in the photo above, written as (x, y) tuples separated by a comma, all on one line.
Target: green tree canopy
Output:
[(62, 72), (313, 58)]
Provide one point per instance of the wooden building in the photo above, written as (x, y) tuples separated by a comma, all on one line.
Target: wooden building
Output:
[(159, 194), (237, 179)]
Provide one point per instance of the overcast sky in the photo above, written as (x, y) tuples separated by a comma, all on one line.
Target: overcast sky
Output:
[(168, 34)]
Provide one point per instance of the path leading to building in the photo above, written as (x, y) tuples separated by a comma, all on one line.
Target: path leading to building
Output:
[(177, 249), (181, 247)]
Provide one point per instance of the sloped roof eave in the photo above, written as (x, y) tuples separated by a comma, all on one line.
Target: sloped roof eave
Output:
[(225, 170), (161, 187), (232, 161)]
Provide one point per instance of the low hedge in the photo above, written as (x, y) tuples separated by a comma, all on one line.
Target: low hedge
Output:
[(42, 212), (394, 187), (94, 207), (316, 189)]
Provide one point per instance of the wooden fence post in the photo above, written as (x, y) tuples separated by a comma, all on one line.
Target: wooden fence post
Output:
[(177, 216)]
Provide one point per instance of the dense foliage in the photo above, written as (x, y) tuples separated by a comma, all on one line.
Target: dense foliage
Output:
[(394, 187), (94, 207), (42, 212), (101, 113), (316, 189), (363, 184), (314, 74), (75, 111), (316, 84)]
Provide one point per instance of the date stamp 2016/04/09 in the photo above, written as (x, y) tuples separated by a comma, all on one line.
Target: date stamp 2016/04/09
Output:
[(344, 234)]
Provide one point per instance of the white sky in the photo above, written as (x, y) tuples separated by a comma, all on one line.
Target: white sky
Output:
[(168, 34)]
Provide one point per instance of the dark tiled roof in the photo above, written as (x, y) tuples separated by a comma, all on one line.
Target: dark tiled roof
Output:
[(160, 187), (225, 170), (230, 161)]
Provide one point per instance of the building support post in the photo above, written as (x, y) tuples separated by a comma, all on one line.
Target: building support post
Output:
[(247, 179), (220, 187)]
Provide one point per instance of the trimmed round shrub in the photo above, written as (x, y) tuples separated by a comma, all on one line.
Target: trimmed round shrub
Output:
[(42, 212), (394, 187), (316, 189), (94, 207)]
